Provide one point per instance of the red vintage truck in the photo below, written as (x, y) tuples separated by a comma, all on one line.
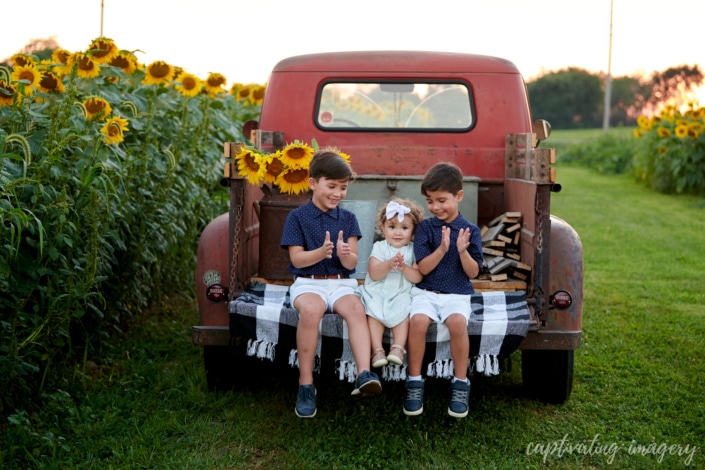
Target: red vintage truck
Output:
[(396, 113)]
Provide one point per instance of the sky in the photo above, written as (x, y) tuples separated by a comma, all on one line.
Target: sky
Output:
[(243, 40)]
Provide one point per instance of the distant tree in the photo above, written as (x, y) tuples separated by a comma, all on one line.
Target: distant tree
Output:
[(41, 48), (569, 99), (625, 108), (670, 86)]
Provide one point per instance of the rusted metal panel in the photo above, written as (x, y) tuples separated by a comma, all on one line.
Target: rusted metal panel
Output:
[(557, 340), (212, 267), (210, 335)]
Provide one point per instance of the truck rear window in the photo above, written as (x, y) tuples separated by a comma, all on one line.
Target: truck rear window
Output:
[(406, 106)]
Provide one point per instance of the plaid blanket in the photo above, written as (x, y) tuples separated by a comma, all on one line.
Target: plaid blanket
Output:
[(264, 316)]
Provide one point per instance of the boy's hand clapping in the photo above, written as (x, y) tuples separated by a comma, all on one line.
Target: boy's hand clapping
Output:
[(342, 246), (463, 239), (328, 246), (445, 239)]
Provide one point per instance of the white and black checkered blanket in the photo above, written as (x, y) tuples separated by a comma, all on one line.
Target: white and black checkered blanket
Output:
[(263, 315)]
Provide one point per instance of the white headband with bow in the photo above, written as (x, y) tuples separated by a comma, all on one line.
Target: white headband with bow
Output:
[(394, 208)]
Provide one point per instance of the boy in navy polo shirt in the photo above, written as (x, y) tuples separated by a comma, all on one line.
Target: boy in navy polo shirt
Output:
[(448, 252), (322, 242)]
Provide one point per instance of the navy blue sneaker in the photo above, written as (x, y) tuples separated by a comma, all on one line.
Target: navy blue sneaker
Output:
[(459, 399), (367, 384), (306, 402), (413, 405)]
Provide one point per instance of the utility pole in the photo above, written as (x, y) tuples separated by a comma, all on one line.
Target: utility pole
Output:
[(608, 82), (101, 18)]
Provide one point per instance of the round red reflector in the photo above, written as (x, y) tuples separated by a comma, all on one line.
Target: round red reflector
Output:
[(562, 299), (216, 293)]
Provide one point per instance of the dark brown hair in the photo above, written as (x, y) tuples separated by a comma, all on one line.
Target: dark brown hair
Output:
[(329, 164), (442, 176)]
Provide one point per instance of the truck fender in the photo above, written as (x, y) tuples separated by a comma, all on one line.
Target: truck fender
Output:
[(213, 272), (565, 312)]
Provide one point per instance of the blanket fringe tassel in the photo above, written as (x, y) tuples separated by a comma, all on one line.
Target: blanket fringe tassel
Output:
[(294, 361), (487, 364), (260, 349)]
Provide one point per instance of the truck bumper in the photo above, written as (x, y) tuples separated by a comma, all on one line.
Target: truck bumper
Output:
[(557, 340), (210, 335)]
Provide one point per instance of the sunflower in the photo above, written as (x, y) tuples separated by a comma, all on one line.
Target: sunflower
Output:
[(293, 180), (257, 94), (188, 84), (114, 129), (103, 50), (664, 132), (126, 61), (345, 156), (248, 165), (270, 166), (51, 83), (643, 122), (157, 73), (23, 60), (28, 73), (60, 59), (234, 89), (297, 155), (7, 93), (681, 131), (214, 84), (87, 68), (637, 133), (97, 108), (243, 93)]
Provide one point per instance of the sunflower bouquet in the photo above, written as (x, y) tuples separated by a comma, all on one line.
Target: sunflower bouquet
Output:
[(286, 169)]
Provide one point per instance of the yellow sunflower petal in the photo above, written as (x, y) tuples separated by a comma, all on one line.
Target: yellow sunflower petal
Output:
[(297, 154), (51, 83), (97, 108), (158, 73), (248, 165), (293, 180), (103, 50), (87, 67), (8, 93), (188, 84), (114, 129), (30, 76)]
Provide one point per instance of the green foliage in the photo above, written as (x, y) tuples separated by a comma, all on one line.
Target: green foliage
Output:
[(609, 153), (671, 153), (569, 99), (92, 232), (638, 378)]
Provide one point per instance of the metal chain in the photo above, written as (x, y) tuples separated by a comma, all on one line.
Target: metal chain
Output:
[(236, 245), (540, 247)]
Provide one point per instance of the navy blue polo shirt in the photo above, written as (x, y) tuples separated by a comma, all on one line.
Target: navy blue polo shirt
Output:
[(306, 226), (448, 277)]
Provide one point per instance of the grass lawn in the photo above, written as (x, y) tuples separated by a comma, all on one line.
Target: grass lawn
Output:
[(637, 400)]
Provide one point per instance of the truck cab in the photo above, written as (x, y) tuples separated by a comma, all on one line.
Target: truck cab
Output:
[(396, 113)]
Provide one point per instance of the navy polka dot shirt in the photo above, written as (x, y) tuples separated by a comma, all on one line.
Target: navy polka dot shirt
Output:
[(448, 277), (306, 226)]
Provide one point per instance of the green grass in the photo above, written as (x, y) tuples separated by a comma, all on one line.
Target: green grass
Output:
[(638, 378)]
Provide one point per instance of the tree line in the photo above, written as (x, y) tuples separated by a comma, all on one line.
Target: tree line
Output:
[(573, 98)]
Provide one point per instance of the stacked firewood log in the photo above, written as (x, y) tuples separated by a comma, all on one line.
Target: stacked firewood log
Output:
[(501, 249)]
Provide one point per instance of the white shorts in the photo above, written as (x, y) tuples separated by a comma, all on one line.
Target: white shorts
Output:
[(438, 307), (330, 290)]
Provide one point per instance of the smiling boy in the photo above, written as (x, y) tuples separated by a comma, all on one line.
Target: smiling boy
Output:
[(448, 252)]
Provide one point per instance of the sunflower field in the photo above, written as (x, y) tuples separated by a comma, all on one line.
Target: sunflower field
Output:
[(109, 172), (671, 152)]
